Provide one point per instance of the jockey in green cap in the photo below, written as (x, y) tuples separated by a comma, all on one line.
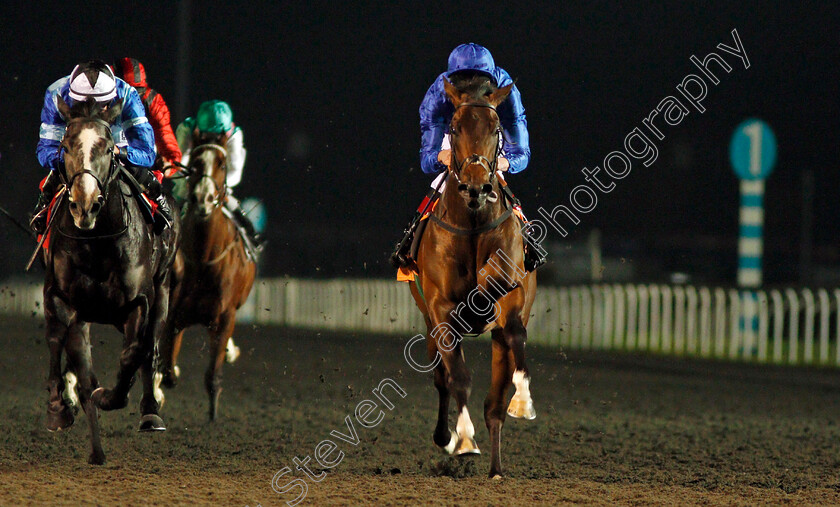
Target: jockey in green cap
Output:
[(213, 123)]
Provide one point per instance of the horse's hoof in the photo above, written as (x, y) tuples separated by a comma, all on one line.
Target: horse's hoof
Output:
[(151, 422), (232, 351), (453, 443), (61, 420), (96, 458), (103, 399), (521, 409), (466, 446)]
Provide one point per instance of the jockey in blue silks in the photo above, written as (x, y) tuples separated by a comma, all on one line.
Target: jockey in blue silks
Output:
[(436, 113), (133, 135)]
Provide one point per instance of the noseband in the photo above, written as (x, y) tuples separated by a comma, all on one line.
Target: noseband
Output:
[(475, 158)]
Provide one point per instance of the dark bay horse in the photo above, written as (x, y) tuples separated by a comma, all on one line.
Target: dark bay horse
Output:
[(105, 265), (213, 272), (471, 275)]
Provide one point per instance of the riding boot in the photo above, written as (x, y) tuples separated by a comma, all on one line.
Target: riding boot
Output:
[(401, 257), (243, 221), (534, 256), (38, 222), (154, 189)]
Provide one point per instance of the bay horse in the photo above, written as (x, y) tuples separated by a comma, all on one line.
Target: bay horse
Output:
[(214, 274), (104, 264), (471, 277)]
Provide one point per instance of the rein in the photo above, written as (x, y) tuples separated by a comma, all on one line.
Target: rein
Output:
[(472, 232)]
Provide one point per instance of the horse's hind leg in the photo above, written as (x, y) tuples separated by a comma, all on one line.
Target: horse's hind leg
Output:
[(170, 348), (152, 395), (219, 335), (135, 351), (78, 354), (521, 405), (494, 414)]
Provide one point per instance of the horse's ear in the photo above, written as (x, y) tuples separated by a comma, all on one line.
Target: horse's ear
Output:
[(63, 108), (112, 112), (452, 92), (500, 95)]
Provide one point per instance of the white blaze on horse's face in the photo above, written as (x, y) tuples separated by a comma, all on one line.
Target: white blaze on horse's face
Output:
[(205, 191), (86, 198)]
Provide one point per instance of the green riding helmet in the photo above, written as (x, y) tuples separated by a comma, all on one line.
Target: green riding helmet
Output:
[(214, 117)]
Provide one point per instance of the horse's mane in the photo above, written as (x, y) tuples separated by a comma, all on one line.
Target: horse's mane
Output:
[(474, 84)]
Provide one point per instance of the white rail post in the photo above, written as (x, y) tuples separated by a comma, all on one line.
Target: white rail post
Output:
[(565, 317), (810, 312), (720, 322), (793, 327), (763, 322), (837, 336), (609, 316), (620, 317), (644, 331), (586, 301), (679, 320), (778, 325), (576, 317), (654, 342), (597, 317), (825, 310), (632, 312), (734, 323), (667, 327), (691, 320), (705, 322)]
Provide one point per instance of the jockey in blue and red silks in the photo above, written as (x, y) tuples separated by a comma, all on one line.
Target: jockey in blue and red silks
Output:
[(436, 112), (133, 136)]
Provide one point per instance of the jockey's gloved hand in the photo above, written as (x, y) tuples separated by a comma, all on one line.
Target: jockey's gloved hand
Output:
[(121, 154)]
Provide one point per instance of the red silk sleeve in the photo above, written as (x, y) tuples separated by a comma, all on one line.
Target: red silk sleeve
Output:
[(167, 145)]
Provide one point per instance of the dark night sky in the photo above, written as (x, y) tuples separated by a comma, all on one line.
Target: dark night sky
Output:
[(349, 78)]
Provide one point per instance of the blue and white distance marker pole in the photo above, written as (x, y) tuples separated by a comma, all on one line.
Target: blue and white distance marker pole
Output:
[(753, 156)]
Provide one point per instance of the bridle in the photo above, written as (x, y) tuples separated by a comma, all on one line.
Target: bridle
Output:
[(455, 171), (220, 196), (103, 185), (491, 165), (112, 168)]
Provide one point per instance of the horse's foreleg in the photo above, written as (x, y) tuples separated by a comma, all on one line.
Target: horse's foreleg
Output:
[(135, 351), (59, 415), (457, 377), (78, 354), (444, 437), (494, 415), (219, 335), (521, 405)]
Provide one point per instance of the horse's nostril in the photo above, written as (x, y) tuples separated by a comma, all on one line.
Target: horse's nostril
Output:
[(486, 188), (73, 206), (94, 208), (462, 187)]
